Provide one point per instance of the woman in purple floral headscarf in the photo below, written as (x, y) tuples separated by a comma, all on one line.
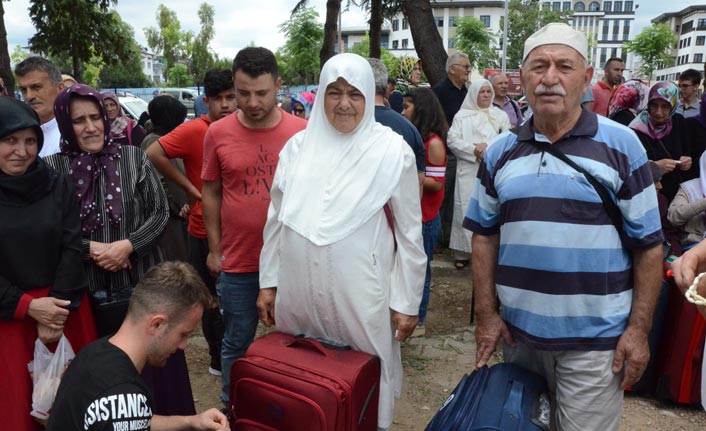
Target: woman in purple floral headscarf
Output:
[(123, 207), (123, 211), (628, 100), (663, 135)]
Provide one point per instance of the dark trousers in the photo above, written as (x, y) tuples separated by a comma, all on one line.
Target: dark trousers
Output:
[(212, 321)]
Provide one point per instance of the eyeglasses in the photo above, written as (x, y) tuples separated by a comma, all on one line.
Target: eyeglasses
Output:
[(465, 66), (685, 86)]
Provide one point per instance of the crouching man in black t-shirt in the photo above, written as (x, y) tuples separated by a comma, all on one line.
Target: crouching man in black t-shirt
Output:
[(102, 388)]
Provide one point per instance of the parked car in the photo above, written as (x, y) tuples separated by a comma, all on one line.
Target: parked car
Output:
[(184, 95), (132, 105)]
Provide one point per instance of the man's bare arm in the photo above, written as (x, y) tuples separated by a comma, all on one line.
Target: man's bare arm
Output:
[(211, 206)]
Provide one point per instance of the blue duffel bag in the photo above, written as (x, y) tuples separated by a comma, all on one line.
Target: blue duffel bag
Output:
[(505, 397)]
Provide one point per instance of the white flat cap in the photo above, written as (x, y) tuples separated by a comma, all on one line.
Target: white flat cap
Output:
[(557, 33)]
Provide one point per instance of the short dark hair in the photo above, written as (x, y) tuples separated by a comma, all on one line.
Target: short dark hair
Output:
[(380, 75), (692, 75), (170, 288), (612, 59), (216, 81), (256, 61), (36, 63), (429, 117)]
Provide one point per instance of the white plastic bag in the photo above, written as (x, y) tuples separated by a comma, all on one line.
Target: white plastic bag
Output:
[(46, 370)]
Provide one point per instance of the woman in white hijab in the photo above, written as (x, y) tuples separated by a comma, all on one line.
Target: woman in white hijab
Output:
[(332, 266), (473, 129)]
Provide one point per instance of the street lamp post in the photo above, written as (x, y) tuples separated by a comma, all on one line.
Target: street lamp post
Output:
[(504, 61)]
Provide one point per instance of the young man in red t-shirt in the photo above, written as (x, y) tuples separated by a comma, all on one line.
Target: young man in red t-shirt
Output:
[(186, 143), (603, 90), (241, 153)]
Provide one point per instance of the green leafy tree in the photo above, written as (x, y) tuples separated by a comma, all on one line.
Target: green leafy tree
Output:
[(301, 50), (653, 45), (126, 71), (92, 70), (201, 56), (390, 61), (476, 40), (379, 10), (18, 54), (168, 39), (426, 37), (526, 17), (179, 76), (70, 28)]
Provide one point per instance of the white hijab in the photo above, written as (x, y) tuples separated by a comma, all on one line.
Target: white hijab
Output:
[(338, 181), (478, 115)]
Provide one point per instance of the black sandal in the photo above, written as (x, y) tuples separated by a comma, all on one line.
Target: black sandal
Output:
[(461, 264)]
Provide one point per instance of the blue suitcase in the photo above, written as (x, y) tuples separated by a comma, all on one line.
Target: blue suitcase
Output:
[(505, 397)]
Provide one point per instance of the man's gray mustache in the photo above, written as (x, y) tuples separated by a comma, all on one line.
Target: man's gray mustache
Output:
[(554, 89)]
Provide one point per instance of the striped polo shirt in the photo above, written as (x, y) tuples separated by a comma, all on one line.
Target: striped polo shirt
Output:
[(564, 276)]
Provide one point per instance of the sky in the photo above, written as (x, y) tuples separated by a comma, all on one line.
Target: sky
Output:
[(239, 22)]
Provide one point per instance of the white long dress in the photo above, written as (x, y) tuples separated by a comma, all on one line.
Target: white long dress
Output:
[(343, 292), (467, 130)]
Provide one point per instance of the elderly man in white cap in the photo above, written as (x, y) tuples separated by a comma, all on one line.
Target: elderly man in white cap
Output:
[(576, 264)]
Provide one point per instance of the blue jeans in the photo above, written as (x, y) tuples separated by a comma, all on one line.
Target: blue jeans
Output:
[(430, 233), (238, 294)]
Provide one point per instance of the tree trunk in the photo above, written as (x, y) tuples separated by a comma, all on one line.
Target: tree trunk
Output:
[(426, 37), (375, 27), (76, 64), (5, 68), (328, 48)]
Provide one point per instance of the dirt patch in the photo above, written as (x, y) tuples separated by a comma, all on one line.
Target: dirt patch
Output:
[(434, 364)]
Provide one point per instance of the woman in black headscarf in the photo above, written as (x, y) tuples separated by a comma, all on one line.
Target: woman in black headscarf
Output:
[(42, 282), (166, 113)]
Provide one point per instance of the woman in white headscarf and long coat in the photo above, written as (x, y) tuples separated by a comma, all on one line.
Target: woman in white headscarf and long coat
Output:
[(474, 127), (340, 272)]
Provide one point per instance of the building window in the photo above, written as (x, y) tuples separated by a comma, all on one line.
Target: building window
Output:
[(626, 29), (556, 6), (395, 44), (594, 6), (579, 7), (605, 30), (688, 41), (607, 5), (485, 19), (566, 6), (405, 43), (614, 52), (439, 21), (698, 58), (618, 6), (395, 24), (452, 42), (700, 40), (616, 29), (405, 25), (604, 53), (546, 5), (686, 58), (628, 6), (701, 25)]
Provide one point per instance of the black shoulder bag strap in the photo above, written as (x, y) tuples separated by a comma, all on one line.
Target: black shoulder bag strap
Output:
[(610, 206)]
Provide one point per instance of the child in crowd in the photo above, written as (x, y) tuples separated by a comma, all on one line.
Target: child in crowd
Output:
[(423, 109)]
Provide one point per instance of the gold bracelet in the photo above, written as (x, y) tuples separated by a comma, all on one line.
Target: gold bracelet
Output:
[(692, 294)]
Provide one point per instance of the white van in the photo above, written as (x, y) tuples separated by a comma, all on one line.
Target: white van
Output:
[(185, 96)]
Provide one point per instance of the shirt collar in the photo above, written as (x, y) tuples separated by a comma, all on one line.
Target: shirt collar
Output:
[(587, 125)]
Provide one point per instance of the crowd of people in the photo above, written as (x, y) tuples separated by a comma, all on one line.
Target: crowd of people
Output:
[(322, 217)]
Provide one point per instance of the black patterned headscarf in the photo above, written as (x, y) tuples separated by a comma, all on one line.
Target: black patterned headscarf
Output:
[(87, 167)]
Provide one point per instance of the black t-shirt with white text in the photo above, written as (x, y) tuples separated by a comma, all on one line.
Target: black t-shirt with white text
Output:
[(101, 391)]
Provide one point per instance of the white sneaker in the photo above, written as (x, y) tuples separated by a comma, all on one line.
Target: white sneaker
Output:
[(214, 371)]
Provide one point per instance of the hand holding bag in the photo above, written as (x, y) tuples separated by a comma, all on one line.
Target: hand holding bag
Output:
[(46, 370)]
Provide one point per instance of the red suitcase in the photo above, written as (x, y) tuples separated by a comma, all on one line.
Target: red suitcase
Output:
[(681, 351), (289, 383)]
